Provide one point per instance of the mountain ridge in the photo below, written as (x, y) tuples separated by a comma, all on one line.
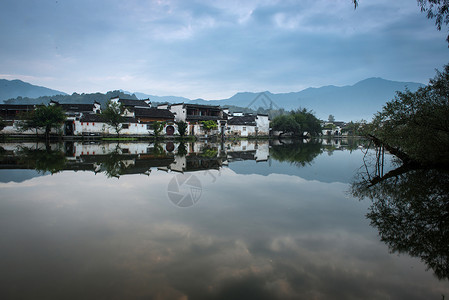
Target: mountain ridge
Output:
[(10, 89), (350, 102)]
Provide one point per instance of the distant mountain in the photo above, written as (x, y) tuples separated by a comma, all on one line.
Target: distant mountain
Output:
[(154, 98), (16, 88), (74, 98), (355, 102)]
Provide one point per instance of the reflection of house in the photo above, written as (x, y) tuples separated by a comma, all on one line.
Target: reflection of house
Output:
[(248, 125), (247, 150)]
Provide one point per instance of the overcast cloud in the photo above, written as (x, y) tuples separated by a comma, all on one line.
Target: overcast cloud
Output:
[(213, 49)]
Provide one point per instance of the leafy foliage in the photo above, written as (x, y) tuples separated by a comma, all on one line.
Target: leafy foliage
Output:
[(182, 128), (43, 117), (298, 123), (209, 125), (355, 128), (417, 124), (158, 127), (112, 115), (438, 10)]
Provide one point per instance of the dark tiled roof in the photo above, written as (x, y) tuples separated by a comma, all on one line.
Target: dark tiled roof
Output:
[(201, 106), (244, 120), (77, 107), (99, 118), (91, 118), (132, 102), (202, 118), (16, 107), (153, 113)]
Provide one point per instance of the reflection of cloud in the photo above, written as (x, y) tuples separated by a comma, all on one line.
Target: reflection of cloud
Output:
[(281, 237)]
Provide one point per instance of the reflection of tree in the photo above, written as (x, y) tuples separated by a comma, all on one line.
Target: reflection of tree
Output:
[(114, 164), (297, 153), (411, 212), (182, 150), (47, 160), (209, 152), (158, 150)]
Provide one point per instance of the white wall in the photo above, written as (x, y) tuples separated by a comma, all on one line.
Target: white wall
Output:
[(103, 128), (241, 130), (263, 125), (179, 111)]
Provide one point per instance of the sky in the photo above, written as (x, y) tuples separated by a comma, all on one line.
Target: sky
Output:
[(214, 49)]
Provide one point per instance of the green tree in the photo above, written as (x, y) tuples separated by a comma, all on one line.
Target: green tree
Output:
[(43, 117), (285, 124), (331, 118), (298, 123), (158, 127), (355, 128), (182, 128), (415, 125), (113, 115), (209, 125)]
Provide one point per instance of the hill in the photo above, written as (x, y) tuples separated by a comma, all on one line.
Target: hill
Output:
[(355, 102), (74, 98), (352, 102), (16, 88)]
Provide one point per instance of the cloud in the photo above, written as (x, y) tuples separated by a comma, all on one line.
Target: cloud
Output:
[(124, 238), (214, 49)]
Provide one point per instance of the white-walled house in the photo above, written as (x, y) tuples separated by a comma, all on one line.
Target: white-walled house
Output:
[(194, 114), (248, 125), (85, 119)]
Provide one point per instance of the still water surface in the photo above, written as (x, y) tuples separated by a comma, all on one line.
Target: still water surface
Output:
[(242, 220)]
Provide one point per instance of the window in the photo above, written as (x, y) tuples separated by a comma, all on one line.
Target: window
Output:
[(125, 126), (244, 128), (149, 126)]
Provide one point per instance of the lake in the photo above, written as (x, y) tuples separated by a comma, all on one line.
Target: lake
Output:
[(234, 220)]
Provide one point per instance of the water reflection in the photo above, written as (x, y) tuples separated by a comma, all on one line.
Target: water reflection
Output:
[(410, 209), (117, 159), (255, 233), (297, 153)]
